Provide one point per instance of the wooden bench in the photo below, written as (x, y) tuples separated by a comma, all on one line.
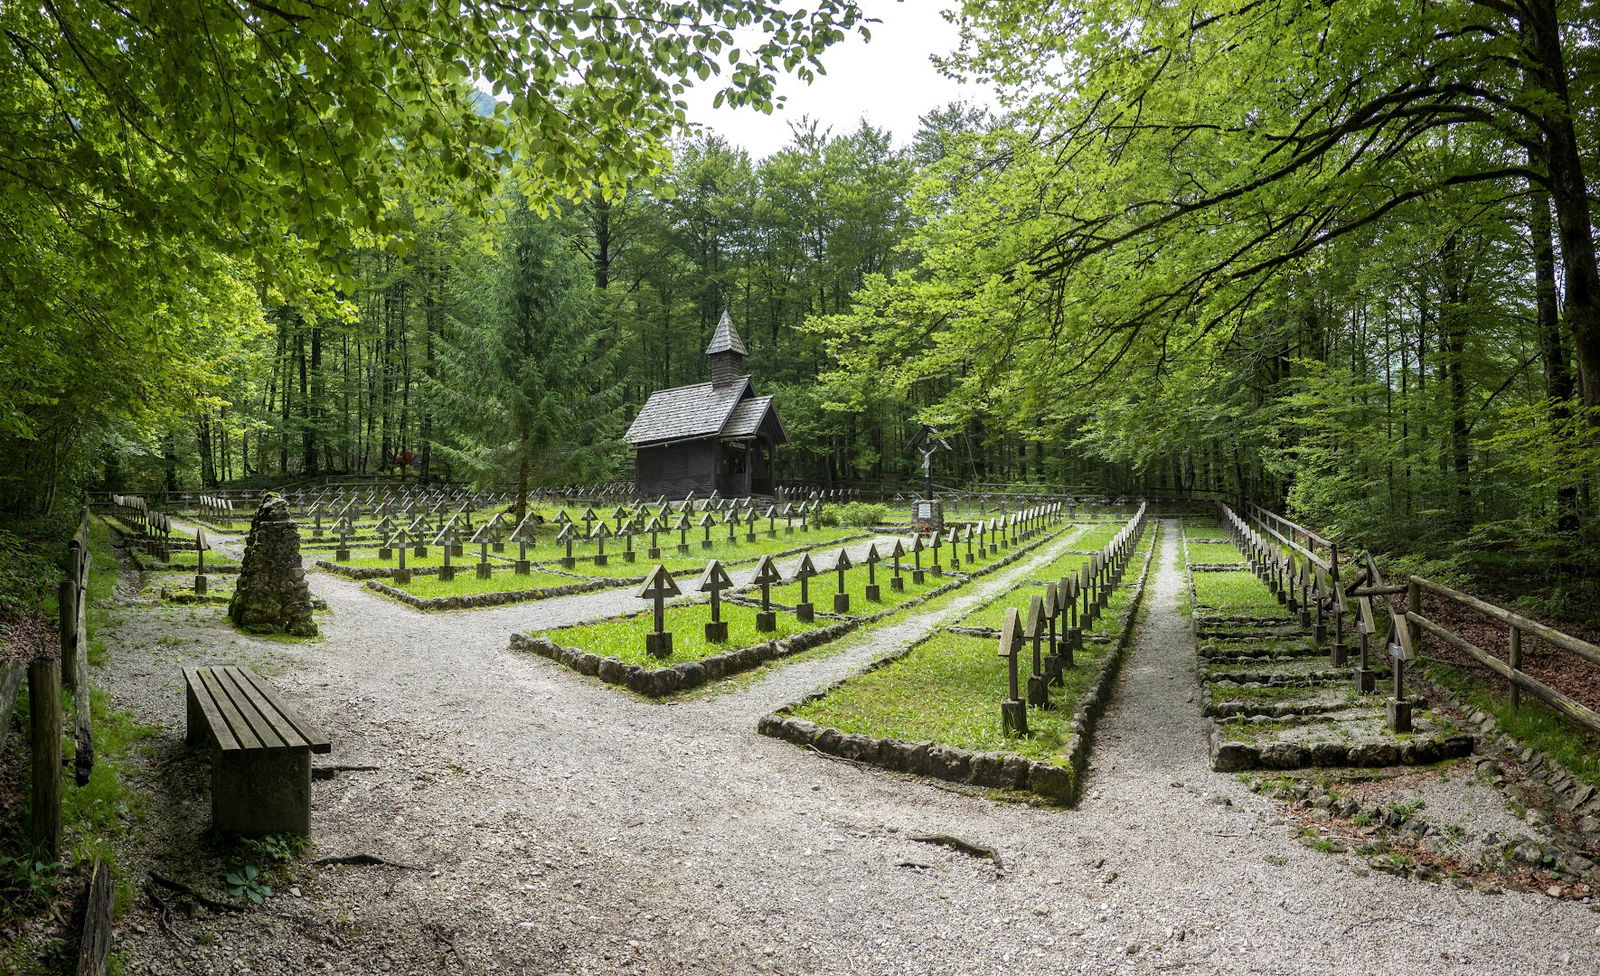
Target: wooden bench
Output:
[(260, 752)]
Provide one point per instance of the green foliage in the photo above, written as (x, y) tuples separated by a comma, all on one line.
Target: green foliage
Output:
[(246, 882), (276, 848), (525, 388), (854, 513)]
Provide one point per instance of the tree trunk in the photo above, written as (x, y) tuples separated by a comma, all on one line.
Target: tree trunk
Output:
[(1569, 192), (1557, 371)]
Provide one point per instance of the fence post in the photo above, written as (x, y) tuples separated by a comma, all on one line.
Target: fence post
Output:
[(44, 710), (1516, 665), (67, 618)]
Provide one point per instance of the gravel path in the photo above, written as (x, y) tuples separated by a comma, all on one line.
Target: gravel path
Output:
[(565, 827)]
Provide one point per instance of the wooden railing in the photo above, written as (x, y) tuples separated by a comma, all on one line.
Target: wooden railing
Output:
[(1519, 626), (1364, 591)]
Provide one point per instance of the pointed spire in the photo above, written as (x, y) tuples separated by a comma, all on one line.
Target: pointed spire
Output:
[(726, 338)]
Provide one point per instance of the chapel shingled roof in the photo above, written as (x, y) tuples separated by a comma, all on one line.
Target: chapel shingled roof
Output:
[(747, 417), (685, 412)]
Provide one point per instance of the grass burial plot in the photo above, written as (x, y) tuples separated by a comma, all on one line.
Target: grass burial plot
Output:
[(948, 690), (826, 583), (735, 552), (622, 638), (1233, 593), (615, 649), (935, 710), (1213, 553)]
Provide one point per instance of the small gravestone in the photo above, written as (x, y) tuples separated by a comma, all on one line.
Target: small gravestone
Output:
[(767, 574), (1013, 711), (271, 596), (713, 581), (706, 522), (657, 587), (954, 539), (626, 533), (683, 527), (402, 575), (599, 534), (804, 611), (917, 573), (384, 530), (927, 515), (654, 527)]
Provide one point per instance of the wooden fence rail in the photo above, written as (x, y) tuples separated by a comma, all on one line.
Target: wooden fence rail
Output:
[(1299, 541), (1510, 669)]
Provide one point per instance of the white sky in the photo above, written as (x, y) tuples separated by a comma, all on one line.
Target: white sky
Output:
[(890, 80)]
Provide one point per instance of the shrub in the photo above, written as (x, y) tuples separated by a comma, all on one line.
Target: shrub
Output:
[(854, 513)]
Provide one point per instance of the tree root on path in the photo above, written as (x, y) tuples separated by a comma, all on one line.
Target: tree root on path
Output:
[(329, 772), (961, 846), (206, 900), (365, 859)]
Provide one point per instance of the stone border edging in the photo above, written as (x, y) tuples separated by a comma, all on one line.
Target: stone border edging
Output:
[(467, 601), (657, 682), (998, 770), (1575, 794), (685, 675)]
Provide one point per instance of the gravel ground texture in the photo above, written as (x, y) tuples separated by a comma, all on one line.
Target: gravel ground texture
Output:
[(553, 825)]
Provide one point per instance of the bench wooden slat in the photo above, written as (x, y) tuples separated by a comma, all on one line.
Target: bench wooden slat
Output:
[(208, 706), (231, 719), (268, 713), (318, 742), (285, 720), (261, 724)]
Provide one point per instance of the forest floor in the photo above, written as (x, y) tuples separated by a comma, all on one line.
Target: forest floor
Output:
[(549, 823)]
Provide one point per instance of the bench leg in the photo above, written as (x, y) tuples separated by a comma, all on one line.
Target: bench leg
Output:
[(195, 731), (261, 792)]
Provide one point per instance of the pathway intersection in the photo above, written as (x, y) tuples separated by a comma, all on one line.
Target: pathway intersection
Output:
[(561, 826)]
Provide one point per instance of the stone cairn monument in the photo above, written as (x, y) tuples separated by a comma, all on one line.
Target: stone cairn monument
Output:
[(271, 596)]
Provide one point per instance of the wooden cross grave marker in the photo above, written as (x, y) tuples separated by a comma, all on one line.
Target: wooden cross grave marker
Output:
[(1052, 611), (567, 534), (917, 574), (683, 533), (523, 536), (200, 547), (1013, 711), (706, 522), (804, 611), (480, 538), (767, 575), (872, 559), (1038, 685), (713, 581), (897, 583), (402, 575), (841, 599), (600, 533), (657, 587)]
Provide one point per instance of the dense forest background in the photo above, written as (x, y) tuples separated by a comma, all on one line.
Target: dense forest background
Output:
[(1337, 258)]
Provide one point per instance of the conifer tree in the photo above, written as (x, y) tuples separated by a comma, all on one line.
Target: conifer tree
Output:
[(525, 387)]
